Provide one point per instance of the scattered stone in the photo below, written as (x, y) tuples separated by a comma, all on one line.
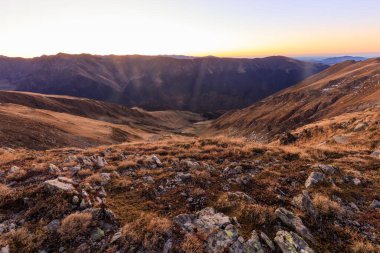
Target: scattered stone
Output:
[(253, 244), (100, 162), (290, 242), (360, 127), (304, 203), (74, 170), (59, 184), (375, 204), (53, 226), (116, 237), (236, 196), (376, 154), (229, 171), (328, 169), (293, 221), (314, 178), (5, 249), (267, 240), (148, 179), (75, 200), (14, 169), (157, 161), (189, 164), (105, 178), (340, 139), (354, 207), (356, 181), (97, 234), (53, 168), (287, 138)]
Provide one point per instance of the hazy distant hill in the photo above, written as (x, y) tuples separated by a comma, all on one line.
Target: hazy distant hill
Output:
[(207, 84), (335, 60)]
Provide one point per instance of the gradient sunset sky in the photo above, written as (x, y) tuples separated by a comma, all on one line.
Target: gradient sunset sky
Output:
[(234, 28)]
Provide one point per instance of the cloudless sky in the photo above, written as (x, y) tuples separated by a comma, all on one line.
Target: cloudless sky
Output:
[(237, 28)]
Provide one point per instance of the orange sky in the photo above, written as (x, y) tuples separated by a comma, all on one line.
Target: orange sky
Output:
[(241, 28)]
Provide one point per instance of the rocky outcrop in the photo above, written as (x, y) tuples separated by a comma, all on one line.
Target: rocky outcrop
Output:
[(290, 242), (314, 179), (303, 202), (294, 222)]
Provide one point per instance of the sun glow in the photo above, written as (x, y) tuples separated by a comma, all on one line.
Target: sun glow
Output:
[(222, 28)]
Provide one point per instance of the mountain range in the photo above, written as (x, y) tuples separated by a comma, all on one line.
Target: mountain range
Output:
[(203, 85)]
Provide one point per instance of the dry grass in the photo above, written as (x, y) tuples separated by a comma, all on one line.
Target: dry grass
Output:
[(74, 225), (192, 244), (325, 206)]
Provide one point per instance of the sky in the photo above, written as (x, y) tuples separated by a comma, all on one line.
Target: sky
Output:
[(228, 28)]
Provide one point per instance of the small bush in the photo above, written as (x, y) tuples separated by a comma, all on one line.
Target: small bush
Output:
[(74, 225), (325, 206)]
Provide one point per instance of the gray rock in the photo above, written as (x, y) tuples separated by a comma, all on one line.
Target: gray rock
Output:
[(105, 178), (293, 221), (360, 127), (14, 169), (97, 234), (375, 204), (304, 203), (354, 207), (156, 161), (100, 162), (253, 244), (314, 178), (290, 242), (5, 249), (376, 154), (75, 200), (60, 184), (168, 246), (116, 236), (235, 196), (267, 240), (328, 169), (53, 168), (53, 226), (340, 139), (356, 181), (232, 171)]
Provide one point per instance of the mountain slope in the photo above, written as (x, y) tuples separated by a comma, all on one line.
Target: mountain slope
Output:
[(156, 83), (343, 88), (39, 121)]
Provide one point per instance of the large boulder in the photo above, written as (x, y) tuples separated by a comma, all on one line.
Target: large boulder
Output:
[(290, 242), (294, 222), (314, 178), (60, 184), (220, 230)]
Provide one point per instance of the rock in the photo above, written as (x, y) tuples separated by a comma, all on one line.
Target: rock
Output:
[(53, 168), (116, 237), (304, 203), (5, 249), (328, 169), (253, 244), (14, 169), (291, 220), (53, 226), (356, 181), (340, 139), (105, 178), (74, 170), (360, 127), (57, 184), (156, 161), (100, 162), (168, 246), (287, 138), (232, 171), (148, 179), (97, 234), (314, 178), (376, 154), (190, 164), (221, 230), (238, 196), (354, 207), (375, 204), (267, 240), (290, 242), (75, 200), (180, 176)]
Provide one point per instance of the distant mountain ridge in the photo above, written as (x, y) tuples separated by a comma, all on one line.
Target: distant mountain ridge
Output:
[(206, 84), (335, 60)]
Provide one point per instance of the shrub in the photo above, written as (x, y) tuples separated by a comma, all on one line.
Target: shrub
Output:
[(74, 225), (325, 206)]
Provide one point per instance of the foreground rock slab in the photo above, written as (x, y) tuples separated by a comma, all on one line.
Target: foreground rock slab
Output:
[(290, 242)]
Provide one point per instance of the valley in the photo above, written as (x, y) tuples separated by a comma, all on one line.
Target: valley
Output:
[(297, 171)]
